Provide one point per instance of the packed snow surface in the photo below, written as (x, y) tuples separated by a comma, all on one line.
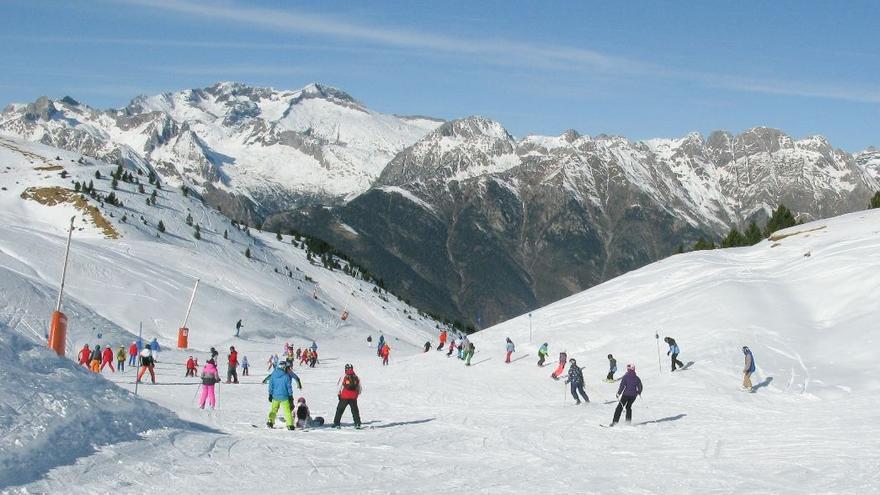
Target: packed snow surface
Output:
[(805, 303)]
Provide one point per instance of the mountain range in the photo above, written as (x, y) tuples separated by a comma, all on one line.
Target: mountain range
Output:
[(459, 216)]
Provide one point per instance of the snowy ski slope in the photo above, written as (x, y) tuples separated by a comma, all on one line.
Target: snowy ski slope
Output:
[(806, 304)]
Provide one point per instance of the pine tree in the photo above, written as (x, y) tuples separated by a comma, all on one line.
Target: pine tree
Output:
[(278, 235), (185, 191), (782, 218), (161, 226), (702, 245), (733, 239), (64, 174), (753, 234), (141, 188), (247, 253), (76, 186), (198, 232), (91, 187), (875, 201), (118, 174), (114, 183), (97, 174), (189, 219), (151, 178), (158, 184), (124, 218), (225, 234)]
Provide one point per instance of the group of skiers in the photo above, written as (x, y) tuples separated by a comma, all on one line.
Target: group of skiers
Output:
[(96, 359), (460, 343)]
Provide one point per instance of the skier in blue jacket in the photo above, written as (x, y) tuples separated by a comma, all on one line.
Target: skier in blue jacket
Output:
[(280, 394), (673, 350)]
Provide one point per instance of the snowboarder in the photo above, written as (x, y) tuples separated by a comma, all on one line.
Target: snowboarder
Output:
[(280, 395), (232, 368), (120, 359), (673, 350), (443, 337), (147, 364), (191, 366), (244, 367), (748, 368), (238, 328), (630, 388), (85, 355), (427, 346), (154, 349), (132, 354), (576, 379), (510, 350), (542, 353), (563, 358), (386, 351), (349, 391), (469, 353), (95, 359), (612, 368), (210, 377), (107, 359)]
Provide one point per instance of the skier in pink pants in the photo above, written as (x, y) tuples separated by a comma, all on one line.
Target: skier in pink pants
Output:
[(209, 378)]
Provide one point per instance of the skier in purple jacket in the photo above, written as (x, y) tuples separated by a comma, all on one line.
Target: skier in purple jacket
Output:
[(630, 388)]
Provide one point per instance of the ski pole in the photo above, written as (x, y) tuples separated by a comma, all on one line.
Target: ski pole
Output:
[(197, 392)]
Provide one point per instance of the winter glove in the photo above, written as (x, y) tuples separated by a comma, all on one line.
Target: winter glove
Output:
[(270, 397), (667, 352)]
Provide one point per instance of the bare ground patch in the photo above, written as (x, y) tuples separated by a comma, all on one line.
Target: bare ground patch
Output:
[(52, 196), (779, 237)]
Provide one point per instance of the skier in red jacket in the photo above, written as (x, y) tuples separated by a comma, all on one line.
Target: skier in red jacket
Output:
[(190, 367), (132, 354), (107, 359), (84, 354), (349, 391), (232, 370)]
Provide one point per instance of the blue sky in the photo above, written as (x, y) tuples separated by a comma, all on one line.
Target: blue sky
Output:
[(639, 69)]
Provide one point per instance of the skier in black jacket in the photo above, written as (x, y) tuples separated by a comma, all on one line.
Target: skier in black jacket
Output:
[(576, 379)]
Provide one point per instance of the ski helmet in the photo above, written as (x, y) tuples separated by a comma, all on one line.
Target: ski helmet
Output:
[(630, 367), (283, 363), (572, 361), (348, 367), (610, 356), (301, 400)]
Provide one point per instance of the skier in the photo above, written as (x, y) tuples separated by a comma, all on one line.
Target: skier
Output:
[(299, 353), (748, 368), (576, 379), (132, 354), (147, 364), (232, 368), (139, 344), (272, 362), (85, 355), (630, 388), (95, 359), (542, 353), (443, 337), (510, 350), (244, 367), (349, 391), (107, 359), (313, 358), (238, 328), (120, 359), (369, 339), (674, 350), (210, 377), (451, 348), (191, 366), (469, 353), (154, 349), (380, 344), (280, 395), (563, 358), (386, 350), (612, 368), (427, 346), (462, 347), (314, 346), (214, 354)]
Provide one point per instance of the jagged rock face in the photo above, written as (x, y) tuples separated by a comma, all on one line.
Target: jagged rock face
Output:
[(472, 223), (272, 149)]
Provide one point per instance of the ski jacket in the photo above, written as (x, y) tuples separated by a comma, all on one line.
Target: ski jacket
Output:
[(280, 385), (563, 358), (133, 350), (244, 362), (443, 337), (750, 362), (107, 355), (314, 346), (385, 350), (210, 375), (96, 355), (154, 345), (673, 349), (84, 354), (346, 394), (510, 347), (120, 354), (575, 375), (139, 344), (302, 412), (191, 364), (543, 350), (233, 359), (630, 385), (612, 364), (147, 360)]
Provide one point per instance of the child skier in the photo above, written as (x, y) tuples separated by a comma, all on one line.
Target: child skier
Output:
[(576, 379), (120, 359), (452, 347), (612, 368), (191, 366), (542, 353), (748, 369), (210, 377), (244, 367), (510, 350), (563, 358), (302, 414), (386, 350), (95, 359), (630, 388), (674, 350), (280, 392)]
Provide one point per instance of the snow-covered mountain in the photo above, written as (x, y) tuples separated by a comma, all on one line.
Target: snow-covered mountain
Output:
[(276, 148)]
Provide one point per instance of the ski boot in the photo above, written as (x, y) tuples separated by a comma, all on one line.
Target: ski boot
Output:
[(269, 425)]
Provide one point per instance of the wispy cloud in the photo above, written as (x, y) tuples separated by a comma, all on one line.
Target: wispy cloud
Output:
[(495, 51), (232, 70)]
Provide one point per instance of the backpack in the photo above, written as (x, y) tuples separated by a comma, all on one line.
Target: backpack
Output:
[(351, 382)]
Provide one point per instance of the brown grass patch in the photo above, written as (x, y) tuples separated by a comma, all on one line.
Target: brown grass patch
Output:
[(52, 196), (779, 237), (49, 168)]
